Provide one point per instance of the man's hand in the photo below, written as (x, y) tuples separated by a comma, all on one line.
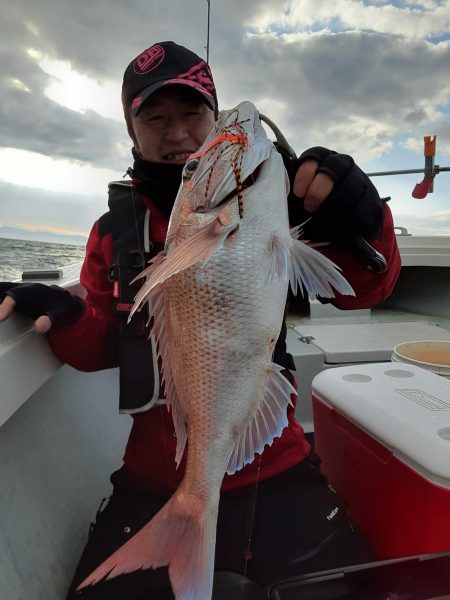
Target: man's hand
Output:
[(320, 169), (41, 325), (48, 306)]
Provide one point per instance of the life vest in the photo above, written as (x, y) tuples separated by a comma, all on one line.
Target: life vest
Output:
[(127, 221)]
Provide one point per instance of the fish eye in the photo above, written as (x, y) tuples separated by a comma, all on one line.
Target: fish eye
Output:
[(189, 168)]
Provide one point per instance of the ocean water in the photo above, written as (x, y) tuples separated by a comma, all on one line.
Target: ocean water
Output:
[(18, 255)]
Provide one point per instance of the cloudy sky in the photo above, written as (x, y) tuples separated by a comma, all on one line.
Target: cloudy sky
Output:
[(368, 78)]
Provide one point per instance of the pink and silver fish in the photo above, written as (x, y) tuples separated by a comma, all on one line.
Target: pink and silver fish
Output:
[(217, 294)]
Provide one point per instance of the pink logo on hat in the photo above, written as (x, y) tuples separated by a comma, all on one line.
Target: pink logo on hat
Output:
[(149, 60), (136, 102), (199, 77)]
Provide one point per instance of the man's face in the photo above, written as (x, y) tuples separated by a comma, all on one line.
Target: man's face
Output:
[(171, 125)]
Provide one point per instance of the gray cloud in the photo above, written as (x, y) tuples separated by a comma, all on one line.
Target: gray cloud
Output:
[(47, 210), (31, 121), (45, 127), (353, 91), (437, 223), (98, 40), (335, 86), (101, 38)]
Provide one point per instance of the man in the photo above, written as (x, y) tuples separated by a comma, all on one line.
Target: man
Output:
[(273, 517)]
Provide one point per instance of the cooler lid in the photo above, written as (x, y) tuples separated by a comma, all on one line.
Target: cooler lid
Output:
[(404, 407), (367, 342)]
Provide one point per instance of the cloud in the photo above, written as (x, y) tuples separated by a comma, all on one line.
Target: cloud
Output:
[(30, 120), (443, 141), (367, 78), (348, 90), (355, 91), (58, 175), (420, 20), (96, 41), (49, 210), (437, 223), (100, 39)]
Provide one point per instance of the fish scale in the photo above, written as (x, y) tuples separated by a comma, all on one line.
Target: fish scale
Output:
[(217, 295)]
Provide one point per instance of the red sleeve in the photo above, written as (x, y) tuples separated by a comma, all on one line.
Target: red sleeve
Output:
[(90, 344), (370, 288)]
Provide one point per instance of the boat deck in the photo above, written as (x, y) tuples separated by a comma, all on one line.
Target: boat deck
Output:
[(61, 434)]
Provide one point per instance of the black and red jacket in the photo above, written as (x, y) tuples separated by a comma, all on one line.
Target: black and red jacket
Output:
[(92, 343)]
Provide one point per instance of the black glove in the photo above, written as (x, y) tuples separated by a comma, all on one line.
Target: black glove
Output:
[(353, 206), (36, 299), (337, 166)]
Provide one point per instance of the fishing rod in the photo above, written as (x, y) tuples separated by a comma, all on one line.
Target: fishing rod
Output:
[(207, 33)]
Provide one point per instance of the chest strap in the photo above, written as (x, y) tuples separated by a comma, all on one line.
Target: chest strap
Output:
[(139, 372)]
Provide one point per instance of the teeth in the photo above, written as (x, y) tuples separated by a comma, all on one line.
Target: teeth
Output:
[(180, 156)]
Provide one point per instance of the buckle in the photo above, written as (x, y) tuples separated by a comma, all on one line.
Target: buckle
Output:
[(113, 273)]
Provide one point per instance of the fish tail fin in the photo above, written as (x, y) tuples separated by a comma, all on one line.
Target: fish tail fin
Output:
[(301, 264), (181, 536)]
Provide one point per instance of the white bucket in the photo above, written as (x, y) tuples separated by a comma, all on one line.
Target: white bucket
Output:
[(432, 355)]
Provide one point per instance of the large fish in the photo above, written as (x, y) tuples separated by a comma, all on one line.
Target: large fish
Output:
[(217, 295)]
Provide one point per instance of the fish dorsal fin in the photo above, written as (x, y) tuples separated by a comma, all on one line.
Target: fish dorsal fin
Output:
[(199, 247), (159, 330), (301, 264), (267, 423)]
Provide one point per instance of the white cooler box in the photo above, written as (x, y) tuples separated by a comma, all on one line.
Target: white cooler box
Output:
[(382, 431)]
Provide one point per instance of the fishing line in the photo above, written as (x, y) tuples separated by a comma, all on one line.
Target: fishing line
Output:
[(155, 10), (166, 452), (252, 500), (133, 202)]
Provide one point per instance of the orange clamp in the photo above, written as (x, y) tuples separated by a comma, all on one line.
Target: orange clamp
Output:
[(429, 145)]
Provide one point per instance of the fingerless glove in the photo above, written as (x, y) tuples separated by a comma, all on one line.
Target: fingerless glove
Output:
[(36, 299)]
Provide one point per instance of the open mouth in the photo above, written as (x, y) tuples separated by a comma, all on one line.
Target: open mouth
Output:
[(179, 157)]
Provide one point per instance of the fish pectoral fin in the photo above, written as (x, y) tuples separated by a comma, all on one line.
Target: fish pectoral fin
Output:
[(197, 248), (303, 266), (268, 422)]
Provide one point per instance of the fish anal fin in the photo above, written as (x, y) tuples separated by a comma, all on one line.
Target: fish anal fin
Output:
[(268, 422)]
